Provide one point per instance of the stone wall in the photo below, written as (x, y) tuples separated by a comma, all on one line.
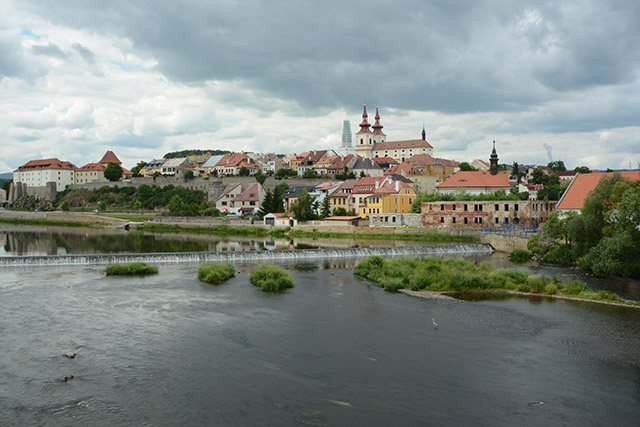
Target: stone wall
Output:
[(21, 189), (395, 220)]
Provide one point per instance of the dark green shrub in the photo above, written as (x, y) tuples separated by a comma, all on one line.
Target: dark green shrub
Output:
[(520, 255), (559, 255), (575, 287), (271, 278), (215, 273), (130, 269)]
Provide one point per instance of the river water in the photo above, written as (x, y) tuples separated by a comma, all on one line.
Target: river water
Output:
[(334, 350)]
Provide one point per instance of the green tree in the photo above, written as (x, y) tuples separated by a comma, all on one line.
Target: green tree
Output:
[(260, 177), (6, 185), (268, 205), (137, 205), (244, 171), (326, 207), (465, 166), (176, 204), (65, 206), (113, 172), (302, 208), (309, 174), (343, 212), (189, 174), (582, 169), (285, 173), (557, 166), (137, 168), (515, 171)]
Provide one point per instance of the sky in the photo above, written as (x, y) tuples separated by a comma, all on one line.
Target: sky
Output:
[(556, 80)]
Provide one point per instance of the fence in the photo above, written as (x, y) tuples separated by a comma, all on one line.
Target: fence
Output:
[(517, 230)]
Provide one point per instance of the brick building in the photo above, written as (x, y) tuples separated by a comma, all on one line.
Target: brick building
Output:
[(477, 214)]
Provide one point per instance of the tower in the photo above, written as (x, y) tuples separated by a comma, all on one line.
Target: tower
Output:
[(493, 160), (378, 135), (424, 133), (364, 137), (347, 146)]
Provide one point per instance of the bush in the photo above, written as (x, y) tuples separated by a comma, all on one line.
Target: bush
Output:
[(271, 278), (131, 269), (65, 206), (575, 287), (215, 272), (520, 255), (559, 255)]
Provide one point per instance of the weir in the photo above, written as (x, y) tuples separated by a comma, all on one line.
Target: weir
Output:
[(245, 257)]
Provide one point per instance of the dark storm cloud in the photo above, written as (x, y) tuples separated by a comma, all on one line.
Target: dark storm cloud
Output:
[(453, 57), (50, 49)]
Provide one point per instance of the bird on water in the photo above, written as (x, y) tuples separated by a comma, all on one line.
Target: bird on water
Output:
[(435, 325)]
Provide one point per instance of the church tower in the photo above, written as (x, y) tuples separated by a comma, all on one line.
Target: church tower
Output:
[(493, 160), (378, 135), (364, 137), (347, 146)]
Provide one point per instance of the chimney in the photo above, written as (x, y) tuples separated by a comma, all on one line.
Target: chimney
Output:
[(397, 186), (377, 184)]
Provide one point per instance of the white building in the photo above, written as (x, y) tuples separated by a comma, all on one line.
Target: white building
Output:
[(37, 173)]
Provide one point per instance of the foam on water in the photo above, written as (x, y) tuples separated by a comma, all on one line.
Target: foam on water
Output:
[(248, 256)]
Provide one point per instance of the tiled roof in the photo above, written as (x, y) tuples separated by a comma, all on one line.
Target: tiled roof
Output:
[(110, 157), (174, 163), (46, 164), (233, 160), (92, 167), (294, 192), (363, 163), (229, 188), (251, 193), (341, 218), (582, 184), (396, 145), (476, 179)]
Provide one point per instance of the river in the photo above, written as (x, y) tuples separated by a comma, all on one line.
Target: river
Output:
[(334, 350)]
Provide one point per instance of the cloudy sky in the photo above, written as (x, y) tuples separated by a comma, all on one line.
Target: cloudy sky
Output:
[(545, 80)]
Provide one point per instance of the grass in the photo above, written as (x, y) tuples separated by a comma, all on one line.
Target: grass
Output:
[(218, 230), (215, 273), (455, 275), (26, 221), (131, 269), (520, 255), (271, 278), (130, 217), (421, 237)]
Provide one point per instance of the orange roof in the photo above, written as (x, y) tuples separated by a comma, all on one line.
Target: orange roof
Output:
[(341, 218), (92, 167), (476, 179), (583, 183), (110, 157), (46, 164)]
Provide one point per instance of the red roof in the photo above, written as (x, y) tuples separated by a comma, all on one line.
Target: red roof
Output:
[(110, 157), (341, 218), (407, 144), (250, 193), (476, 179), (46, 164), (92, 167), (582, 184)]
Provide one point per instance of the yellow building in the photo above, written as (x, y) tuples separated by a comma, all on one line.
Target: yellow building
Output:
[(391, 197)]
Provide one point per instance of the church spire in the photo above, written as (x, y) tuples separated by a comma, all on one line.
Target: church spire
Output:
[(424, 133), (364, 126), (377, 127), (493, 160)]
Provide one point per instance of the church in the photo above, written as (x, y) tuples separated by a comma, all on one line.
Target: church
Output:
[(371, 142)]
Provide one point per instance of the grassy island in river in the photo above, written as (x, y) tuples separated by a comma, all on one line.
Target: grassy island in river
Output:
[(456, 275)]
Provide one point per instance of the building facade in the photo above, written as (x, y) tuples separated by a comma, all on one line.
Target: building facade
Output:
[(37, 173)]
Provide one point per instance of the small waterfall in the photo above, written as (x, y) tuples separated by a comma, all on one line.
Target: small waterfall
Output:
[(244, 257)]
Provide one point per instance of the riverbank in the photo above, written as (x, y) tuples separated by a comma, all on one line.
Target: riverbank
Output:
[(428, 277)]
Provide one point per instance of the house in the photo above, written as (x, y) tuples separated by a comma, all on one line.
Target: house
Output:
[(37, 173), (209, 166), (478, 214), (532, 189), (475, 182), (241, 199), (291, 195), (170, 166), (94, 172), (279, 220), (481, 165), (231, 163), (388, 197), (312, 157), (341, 197), (339, 165), (152, 167), (366, 167), (577, 192), (343, 220), (546, 170), (385, 163), (426, 165)]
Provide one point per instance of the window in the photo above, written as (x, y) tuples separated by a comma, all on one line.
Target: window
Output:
[(465, 209), (453, 219), (480, 220), (393, 218), (497, 220), (506, 207), (497, 207), (453, 206), (506, 220), (515, 207), (252, 203), (441, 207), (442, 219)]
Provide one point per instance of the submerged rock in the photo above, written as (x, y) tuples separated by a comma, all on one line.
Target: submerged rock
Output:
[(66, 378), (70, 355)]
